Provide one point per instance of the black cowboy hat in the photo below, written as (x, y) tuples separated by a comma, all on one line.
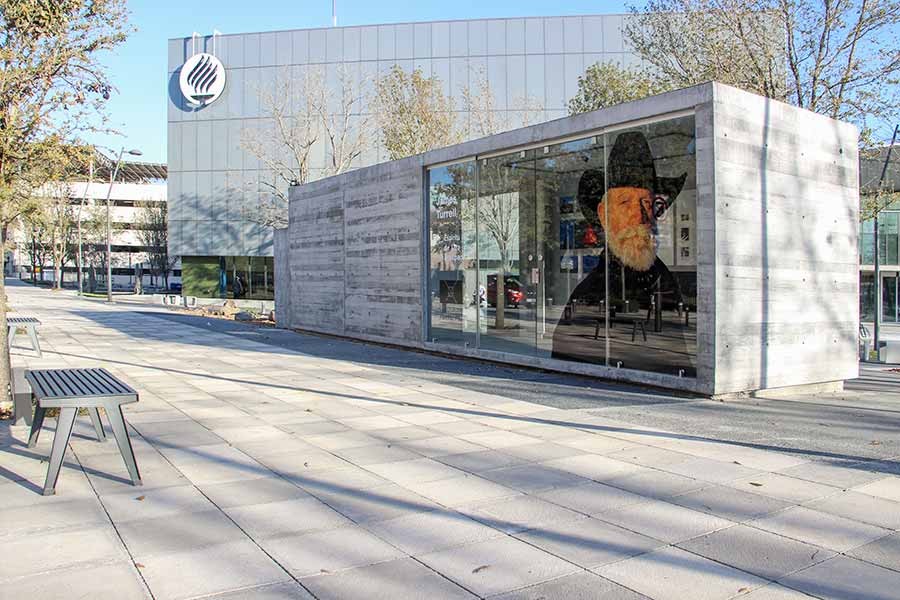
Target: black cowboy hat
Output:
[(630, 164)]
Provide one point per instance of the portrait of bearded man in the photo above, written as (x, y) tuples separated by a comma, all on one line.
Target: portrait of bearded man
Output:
[(626, 204)]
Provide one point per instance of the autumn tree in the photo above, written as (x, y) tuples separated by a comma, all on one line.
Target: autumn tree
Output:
[(412, 113), (52, 211), (53, 85), (607, 83), (303, 115), (497, 208)]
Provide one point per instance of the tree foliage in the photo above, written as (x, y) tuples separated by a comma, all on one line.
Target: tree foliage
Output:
[(839, 58), (606, 84), (52, 86), (412, 113)]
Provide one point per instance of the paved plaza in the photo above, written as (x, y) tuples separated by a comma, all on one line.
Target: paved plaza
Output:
[(273, 472)]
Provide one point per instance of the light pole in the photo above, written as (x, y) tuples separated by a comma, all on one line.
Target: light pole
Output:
[(112, 179), (80, 209)]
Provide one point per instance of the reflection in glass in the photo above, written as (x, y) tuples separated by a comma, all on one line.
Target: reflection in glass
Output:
[(248, 277), (649, 215), (453, 313), (507, 276), (573, 319), (580, 251)]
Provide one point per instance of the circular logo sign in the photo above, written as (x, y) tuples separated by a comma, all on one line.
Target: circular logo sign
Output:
[(202, 79)]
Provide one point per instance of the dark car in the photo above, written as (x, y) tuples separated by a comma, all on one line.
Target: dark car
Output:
[(514, 291)]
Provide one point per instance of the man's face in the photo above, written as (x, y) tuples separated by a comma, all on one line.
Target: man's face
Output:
[(628, 216)]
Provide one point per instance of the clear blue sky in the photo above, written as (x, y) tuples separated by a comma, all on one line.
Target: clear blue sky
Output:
[(138, 67)]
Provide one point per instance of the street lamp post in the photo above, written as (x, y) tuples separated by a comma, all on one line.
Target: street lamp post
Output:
[(80, 242), (112, 180)]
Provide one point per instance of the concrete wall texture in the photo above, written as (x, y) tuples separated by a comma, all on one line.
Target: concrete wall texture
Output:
[(786, 228), (213, 185), (777, 268)]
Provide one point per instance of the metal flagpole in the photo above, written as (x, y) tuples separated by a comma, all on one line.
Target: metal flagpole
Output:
[(334, 13)]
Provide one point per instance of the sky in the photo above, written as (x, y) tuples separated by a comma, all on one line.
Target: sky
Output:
[(138, 67)]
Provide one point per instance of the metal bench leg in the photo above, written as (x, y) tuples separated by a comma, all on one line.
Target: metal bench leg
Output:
[(36, 422), (11, 334), (35, 345), (643, 332), (98, 424), (117, 421), (64, 424), (633, 330)]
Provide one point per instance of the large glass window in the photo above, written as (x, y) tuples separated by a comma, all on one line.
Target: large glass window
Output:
[(572, 316), (581, 251), (248, 277), (507, 254), (651, 225), (452, 299), (888, 238)]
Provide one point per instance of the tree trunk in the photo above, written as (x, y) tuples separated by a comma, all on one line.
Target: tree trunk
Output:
[(5, 367)]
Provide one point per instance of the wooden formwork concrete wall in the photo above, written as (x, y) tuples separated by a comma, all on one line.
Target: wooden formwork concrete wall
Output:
[(777, 272), (354, 254), (786, 227)]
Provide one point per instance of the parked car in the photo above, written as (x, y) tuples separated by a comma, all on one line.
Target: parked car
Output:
[(514, 291)]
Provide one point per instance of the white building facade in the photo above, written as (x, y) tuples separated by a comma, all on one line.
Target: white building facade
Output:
[(30, 258), (531, 66)]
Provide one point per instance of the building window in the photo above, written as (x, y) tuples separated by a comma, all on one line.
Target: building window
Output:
[(451, 283), (582, 251)]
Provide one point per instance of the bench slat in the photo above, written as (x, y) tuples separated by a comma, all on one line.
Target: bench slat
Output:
[(76, 383), (22, 321), (113, 382), (82, 382)]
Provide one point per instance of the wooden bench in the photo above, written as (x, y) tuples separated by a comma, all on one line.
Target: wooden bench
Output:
[(29, 324), (70, 390)]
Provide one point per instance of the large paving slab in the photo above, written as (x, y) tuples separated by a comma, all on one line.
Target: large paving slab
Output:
[(331, 469)]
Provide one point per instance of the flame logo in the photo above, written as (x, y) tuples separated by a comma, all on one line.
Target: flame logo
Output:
[(202, 77)]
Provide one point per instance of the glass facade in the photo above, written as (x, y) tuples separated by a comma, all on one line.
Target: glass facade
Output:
[(249, 277), (240, 277), (889, 257), (890, 291), (581, 251), (888, 239)]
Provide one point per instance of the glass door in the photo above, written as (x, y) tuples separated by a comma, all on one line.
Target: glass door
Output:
[(889, 298), (508, 262)]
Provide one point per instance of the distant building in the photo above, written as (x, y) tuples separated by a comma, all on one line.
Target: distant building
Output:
[(888, 241), (137, 185)]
